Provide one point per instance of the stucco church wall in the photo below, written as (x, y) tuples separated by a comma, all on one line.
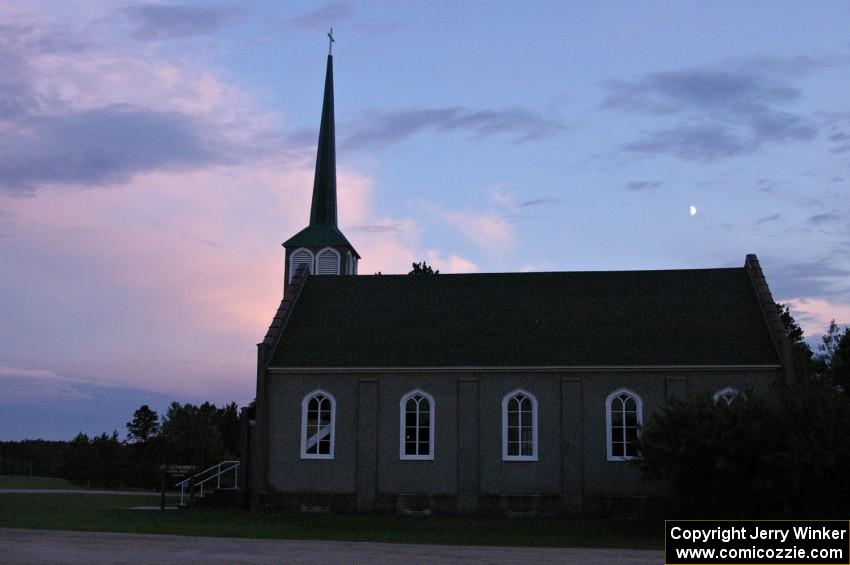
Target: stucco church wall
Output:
[(467, 468), (498, 477), (655, 388), (437, 476), (759, 382), (614, 478), (286, 470)]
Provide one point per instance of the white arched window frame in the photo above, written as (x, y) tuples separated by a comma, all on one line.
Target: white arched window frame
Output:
[(300, 256), (519, 426), (318, 425), (623, 419), (727, 395), (327, 262), (416, 426)]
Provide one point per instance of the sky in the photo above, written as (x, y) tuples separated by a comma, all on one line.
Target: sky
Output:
[(154, 155)]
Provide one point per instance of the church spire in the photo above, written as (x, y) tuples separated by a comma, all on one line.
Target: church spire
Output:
[(323, 209), (321, 247)]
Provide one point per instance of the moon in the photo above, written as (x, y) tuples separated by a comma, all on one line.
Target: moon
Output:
[(693, 210)]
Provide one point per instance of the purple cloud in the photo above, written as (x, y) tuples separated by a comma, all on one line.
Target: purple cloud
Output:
[(766, 219), (328, 15), (154, 22), (826, 218), (101, 146), (379, 128), (539, 202), (722, 112), (379, 228), (643, 185)]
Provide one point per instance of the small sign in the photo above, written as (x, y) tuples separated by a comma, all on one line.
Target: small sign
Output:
[(178, 469)]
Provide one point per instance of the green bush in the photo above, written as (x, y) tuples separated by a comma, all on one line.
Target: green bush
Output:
[(784, 455)]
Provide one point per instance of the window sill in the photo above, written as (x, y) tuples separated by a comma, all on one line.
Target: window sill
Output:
[(310, 456), (519, 458), (624, 458)]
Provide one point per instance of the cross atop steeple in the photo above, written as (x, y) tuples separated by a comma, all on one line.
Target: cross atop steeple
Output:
[(331, 42)]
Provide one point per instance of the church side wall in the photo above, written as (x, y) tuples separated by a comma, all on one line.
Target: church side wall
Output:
[(287, 471), (467, 474), (603, 479), (541, 477), (437, 476)]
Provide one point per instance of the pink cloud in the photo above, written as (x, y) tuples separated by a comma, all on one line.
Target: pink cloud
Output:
[(176, 275), (450, 263), (164, 279), (815, 314), (490, 231)]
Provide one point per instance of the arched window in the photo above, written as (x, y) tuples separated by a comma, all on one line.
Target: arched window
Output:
[(318, 419), (327, 262), (300, 257), (416, 425), (519, 426), (623, 418), (727, 395)]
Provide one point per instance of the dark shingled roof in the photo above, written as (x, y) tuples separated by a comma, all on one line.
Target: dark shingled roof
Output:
[(685, 317)]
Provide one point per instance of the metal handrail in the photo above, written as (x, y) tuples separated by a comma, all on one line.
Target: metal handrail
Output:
[(218, 472)]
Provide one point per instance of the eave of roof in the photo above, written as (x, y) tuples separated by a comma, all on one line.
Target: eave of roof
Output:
[(319, 236)]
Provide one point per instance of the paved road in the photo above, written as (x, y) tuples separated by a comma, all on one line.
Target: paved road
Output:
[(43, 546)]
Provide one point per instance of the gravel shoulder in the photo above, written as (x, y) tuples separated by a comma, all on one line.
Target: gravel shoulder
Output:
[(47, 546)]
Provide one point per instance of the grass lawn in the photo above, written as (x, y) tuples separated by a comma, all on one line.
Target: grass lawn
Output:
[(53, 483), (111, 514), (23, 481)]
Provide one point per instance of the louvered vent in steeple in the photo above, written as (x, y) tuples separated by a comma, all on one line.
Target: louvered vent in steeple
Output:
[(300, 257), (328, 262)]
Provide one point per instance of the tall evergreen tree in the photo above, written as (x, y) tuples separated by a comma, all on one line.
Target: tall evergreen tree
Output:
[(835, 355), (805, 364), (144, 427)]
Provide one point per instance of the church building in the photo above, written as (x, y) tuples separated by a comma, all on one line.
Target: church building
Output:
[(485, 393)]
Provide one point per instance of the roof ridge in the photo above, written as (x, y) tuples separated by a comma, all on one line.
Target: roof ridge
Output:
[(770, 311), (532, 273)]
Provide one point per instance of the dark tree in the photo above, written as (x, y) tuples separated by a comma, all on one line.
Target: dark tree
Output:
[(227, 420), (784, 455), (98, 461), (78, 459), (840, 366), (109, 460), (200, 435), (144, 451), (423, 268), (33, 457), (835, 355), (144, 427), (805, 363), (830, 342)]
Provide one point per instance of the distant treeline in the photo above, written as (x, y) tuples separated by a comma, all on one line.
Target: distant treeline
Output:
[(35, 457), (187, 434)]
